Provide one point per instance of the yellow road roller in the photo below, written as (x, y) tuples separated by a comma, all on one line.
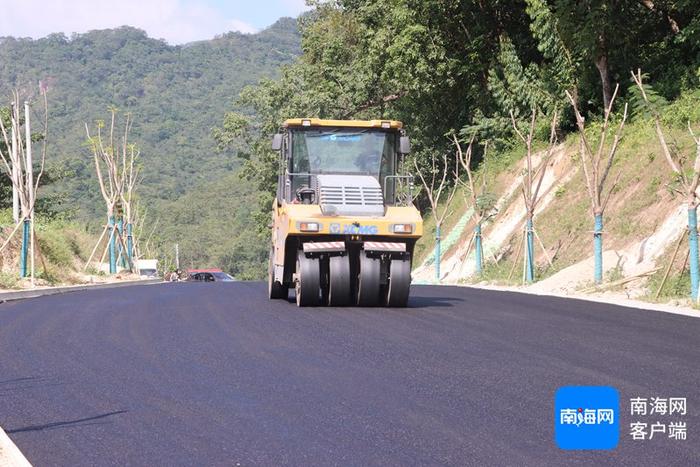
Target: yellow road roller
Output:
[(344, 226)]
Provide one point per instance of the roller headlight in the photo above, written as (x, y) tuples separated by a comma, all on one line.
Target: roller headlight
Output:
[(402, 228), (309, 226)]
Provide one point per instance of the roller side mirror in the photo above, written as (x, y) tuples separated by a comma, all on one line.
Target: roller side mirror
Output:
[(404, 145), (277, 142)]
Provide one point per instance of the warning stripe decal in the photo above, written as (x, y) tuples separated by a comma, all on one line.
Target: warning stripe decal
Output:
[(384, 246), (324, 246)]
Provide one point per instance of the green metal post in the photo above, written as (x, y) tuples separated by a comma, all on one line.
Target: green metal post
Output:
[(693, 258), (479, 251), (530, 255), (112, 253), (25, 248), (598, 249)]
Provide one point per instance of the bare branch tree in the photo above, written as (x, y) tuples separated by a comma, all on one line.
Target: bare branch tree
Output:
[(596, 167), (436, 185), (689, 185), (531, 183), (19, 167), (118, 175), (476, 196)]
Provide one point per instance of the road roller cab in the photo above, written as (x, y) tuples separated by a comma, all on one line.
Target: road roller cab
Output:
[(343, 223)]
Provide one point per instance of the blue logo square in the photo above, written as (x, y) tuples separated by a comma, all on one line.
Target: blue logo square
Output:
[(587, 417)]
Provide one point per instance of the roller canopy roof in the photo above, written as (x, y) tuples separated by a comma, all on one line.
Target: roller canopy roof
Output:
[(296, 122)]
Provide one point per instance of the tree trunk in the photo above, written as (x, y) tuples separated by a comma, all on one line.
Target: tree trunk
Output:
[(601, 63)]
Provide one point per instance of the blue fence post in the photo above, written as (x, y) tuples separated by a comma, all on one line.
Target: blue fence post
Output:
[(530, 266), (598, 249), (112, 255), (437, 254), (693, 245), (129, 243), (477, 246), (25, 248)]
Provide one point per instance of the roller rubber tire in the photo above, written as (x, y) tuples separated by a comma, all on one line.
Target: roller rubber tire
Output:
[(368, 285), (399, 283), (274, 288), (308, 281), (339, 281)]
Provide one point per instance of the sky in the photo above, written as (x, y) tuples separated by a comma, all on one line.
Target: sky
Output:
[(176, 21)]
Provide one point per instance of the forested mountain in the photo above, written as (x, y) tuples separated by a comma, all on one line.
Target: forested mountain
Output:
[(176, 95)]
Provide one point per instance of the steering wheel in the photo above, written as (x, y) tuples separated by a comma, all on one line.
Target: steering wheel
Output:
[(305, 195)]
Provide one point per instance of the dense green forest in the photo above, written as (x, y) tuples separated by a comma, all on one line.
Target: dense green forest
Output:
[(463, 66), (176, 95)]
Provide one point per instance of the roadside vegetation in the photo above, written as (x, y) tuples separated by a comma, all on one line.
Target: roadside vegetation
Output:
[(63, 247)]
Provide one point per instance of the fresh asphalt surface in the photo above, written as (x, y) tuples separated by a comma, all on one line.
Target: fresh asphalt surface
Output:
[(215, 374)]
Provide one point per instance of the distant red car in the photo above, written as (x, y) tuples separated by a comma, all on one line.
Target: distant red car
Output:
[(209, 275)]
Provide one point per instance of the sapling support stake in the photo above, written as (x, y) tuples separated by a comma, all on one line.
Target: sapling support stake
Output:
[(544, 250), (14, 231), (466, 253), (670, 264), (94, 250), (516, 257)]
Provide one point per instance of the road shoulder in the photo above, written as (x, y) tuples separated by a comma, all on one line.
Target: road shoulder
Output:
[(609, 299), (39, 292)]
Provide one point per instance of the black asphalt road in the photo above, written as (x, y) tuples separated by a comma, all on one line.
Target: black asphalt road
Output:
[(215, 374)]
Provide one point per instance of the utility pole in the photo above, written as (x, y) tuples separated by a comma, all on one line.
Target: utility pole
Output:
[(177, 256), (15, 173), (30, 187)]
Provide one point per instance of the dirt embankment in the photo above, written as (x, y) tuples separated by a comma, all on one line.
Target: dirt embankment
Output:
[(642, 225)]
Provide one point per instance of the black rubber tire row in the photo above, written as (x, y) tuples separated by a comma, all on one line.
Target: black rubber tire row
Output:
[(364, 289)]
